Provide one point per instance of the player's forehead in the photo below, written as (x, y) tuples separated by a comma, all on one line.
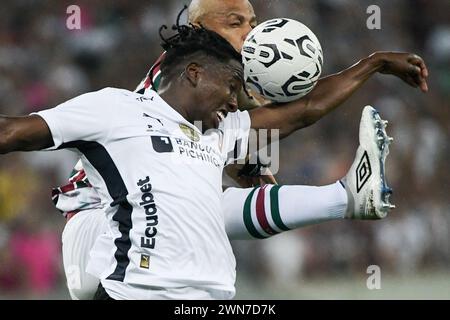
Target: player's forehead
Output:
[(228, 70), (236, 69), (228, 9)]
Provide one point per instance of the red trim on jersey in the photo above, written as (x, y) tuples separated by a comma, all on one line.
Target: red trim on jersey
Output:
[(155, 69), (147, 82), (261, 212), (69, 215), (160, 59), (78, 177), (67, 188)]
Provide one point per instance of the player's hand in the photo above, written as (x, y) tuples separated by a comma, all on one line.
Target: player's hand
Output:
[(249, 181), (407, 66), (266, 177)]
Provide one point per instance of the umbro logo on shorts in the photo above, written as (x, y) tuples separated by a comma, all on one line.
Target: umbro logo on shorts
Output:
[(363, 172)]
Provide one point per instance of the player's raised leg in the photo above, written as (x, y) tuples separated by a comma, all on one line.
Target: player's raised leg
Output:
[(269, 210), (362, 194)]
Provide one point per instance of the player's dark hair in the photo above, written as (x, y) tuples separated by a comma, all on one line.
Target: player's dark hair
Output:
[(191, 39)]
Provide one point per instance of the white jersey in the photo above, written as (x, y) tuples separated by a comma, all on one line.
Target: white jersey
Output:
[(161, 182)]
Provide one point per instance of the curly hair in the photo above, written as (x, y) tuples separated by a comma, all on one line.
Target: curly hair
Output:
[(191, 39)]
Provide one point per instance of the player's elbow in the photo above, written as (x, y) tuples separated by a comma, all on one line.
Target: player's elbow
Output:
[(314, 111), (310, 117), (289, 128)]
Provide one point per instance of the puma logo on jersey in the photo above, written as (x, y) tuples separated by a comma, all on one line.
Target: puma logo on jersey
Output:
[(145, 115), (145, 261)]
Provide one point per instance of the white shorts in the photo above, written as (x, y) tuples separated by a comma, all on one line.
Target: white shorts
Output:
[(78, 238), (159, 293)]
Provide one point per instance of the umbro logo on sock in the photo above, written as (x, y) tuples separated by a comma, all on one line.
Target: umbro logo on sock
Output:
[(363, 172)]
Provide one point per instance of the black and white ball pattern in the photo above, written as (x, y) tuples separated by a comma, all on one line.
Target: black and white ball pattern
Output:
[(282, 59)]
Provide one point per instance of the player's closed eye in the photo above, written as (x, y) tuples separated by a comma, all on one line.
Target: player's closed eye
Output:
[(234, 88)]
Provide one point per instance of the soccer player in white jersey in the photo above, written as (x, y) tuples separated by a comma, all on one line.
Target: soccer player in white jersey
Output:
[(159, 174), (166, 240), (245, 217)]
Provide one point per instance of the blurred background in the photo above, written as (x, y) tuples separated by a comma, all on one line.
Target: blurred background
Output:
[(42, 64)]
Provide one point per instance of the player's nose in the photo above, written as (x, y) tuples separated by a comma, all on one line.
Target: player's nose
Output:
[(246, 30), (244, 33)]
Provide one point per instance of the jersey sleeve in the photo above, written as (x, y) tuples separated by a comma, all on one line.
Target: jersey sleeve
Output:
[(77, 195), (88, 117), (236, 129)]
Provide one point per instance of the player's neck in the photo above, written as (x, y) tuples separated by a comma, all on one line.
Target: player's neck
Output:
[(179, 100)]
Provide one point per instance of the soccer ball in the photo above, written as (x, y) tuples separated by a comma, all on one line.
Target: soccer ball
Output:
[(282, 60)]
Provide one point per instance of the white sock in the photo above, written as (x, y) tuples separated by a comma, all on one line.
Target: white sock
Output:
[(266, 211)]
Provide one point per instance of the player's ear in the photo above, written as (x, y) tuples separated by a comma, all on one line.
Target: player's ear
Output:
[(192, 73)]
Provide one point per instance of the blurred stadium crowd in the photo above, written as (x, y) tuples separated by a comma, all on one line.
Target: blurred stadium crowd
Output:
[(42, 64)]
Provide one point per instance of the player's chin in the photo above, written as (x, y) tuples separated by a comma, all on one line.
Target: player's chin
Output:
[(210, 123), (215, 122)]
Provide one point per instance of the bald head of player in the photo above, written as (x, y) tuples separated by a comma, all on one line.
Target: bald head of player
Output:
[(232, 19)]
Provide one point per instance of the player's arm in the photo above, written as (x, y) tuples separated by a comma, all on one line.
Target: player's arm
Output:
[(74, 120), (332, 91), (27, 133)]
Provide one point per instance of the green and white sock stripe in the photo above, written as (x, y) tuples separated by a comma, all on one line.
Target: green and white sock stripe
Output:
[(275, 209), (262, 213)]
